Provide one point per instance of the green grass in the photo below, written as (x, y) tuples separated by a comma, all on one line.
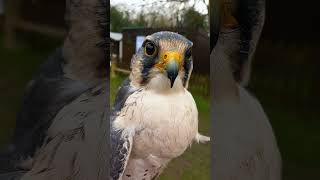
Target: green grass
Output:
[(195, 162)]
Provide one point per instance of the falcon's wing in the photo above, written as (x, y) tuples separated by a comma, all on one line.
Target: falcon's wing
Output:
[(121, 141), (51, 90), (76, 145), (44, 96), (121, 145), (40, 105)]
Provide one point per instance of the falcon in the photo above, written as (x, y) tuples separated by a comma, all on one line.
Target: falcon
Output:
[(154, 118), (65, 100), (245, 145)]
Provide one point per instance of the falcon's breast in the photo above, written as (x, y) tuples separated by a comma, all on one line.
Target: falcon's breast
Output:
[(165, 124)]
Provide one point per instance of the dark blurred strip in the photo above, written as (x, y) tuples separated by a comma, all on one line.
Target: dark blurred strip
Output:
[(215, 18)]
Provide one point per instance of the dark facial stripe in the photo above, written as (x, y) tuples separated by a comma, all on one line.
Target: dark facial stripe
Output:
[(248, 14), (187, 67), (148, 62)]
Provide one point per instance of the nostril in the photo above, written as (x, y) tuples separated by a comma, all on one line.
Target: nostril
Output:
[(165, 56)]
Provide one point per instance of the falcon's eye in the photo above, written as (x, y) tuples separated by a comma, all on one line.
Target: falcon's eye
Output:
[(150, 49), (188, 53)]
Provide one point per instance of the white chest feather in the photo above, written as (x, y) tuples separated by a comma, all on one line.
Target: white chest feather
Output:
[(165, 123)]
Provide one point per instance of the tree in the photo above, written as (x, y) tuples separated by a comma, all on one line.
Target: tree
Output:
[(141, 21), (192, 19), (118, 19), (164, 13)]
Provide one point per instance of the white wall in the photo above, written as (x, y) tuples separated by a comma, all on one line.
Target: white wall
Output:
[(139, 42)]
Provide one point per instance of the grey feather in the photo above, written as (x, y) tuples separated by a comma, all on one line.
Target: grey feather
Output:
[(75, 146), (79, 65), (120, 144), (44, 96), (124, 92), (120, 151)]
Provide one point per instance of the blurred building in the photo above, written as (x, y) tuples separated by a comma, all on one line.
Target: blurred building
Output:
[(133, 38), (116, 46)]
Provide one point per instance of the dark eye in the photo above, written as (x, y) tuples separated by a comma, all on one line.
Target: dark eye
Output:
[(150, 48), (188, 53)]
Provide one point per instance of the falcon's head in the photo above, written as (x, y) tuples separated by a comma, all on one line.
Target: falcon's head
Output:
[(163, 62)]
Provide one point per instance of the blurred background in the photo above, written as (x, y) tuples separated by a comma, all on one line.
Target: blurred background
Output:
[(286, 81), (285, 75), (130, 22), (31, 30)]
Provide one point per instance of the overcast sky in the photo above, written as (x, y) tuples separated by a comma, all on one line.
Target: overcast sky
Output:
[(136, 4)]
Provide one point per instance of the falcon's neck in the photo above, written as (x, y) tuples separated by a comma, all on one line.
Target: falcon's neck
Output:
[(161, 84)]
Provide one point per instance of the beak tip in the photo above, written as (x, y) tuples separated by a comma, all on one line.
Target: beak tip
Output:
[(172, 83), (172, 72), (172, 78)]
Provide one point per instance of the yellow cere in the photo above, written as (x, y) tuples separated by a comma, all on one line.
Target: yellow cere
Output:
[(167, 56), (228, 20)]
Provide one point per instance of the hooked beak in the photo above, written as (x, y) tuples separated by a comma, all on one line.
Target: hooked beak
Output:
[(172, 69), (171, 62)]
